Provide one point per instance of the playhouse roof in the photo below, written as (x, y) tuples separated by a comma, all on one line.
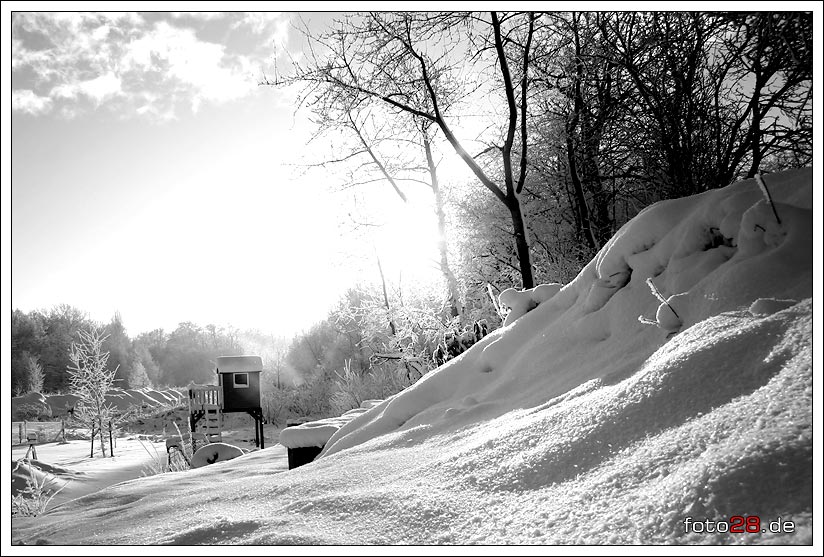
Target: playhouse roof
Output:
[(233, 364)]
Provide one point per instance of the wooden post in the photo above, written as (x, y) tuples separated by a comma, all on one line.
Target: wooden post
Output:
[(20, 433), (111, 444), (91, 452)]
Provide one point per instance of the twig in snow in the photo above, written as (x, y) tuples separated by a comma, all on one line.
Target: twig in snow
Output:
[(767, 195), (658, 295), (646, 321)]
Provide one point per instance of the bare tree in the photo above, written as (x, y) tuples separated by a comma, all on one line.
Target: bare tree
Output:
[(413, 64)]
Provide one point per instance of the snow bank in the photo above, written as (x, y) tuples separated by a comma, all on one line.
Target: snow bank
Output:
[(575, 424)]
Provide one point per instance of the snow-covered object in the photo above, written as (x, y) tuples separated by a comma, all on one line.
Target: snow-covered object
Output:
[(520, 302), (576, 424), (768, 306), (215, 452), (317, 433)]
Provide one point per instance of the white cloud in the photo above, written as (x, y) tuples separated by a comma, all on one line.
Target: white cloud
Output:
[(202, 16), (106, 85), (26, 100), (274, 25), (211, 74), (100, 57), (98, 89)]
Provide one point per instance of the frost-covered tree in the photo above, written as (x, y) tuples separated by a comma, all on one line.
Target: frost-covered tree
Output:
[(90, 380), (33, 374), (138, 377)]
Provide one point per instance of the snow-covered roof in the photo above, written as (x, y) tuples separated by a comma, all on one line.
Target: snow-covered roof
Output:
[(317, 433), (235, 364)]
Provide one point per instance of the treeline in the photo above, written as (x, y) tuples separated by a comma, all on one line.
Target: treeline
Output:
[(375, 342), (41, 342)]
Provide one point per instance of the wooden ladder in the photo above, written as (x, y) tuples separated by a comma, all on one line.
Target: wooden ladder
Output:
[(211, 422)]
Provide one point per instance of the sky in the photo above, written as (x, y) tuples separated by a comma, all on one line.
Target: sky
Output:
[(151, 175)]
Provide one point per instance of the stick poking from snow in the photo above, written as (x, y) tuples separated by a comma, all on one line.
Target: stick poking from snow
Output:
[(658, 295), (767, 195)]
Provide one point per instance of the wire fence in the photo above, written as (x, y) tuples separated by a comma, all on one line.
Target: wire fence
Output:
[(47, 432)]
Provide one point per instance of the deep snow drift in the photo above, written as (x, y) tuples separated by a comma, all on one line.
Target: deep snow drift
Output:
[(577, 423)]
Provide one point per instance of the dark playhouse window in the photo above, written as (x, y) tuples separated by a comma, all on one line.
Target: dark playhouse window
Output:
[(241, 380)]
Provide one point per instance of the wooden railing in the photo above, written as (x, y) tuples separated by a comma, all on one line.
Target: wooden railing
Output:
[(205, 394)]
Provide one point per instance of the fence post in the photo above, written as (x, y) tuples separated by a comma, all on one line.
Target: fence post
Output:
[(91, 451), (111, 444), (20, 433)]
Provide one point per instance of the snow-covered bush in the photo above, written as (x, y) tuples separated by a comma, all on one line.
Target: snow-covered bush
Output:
[(277, 404), (381, 381)]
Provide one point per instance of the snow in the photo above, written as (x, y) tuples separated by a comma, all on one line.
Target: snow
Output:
[(574, 424)]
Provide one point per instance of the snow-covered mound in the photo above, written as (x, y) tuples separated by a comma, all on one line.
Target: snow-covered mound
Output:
[(709, 253), (576, 423)]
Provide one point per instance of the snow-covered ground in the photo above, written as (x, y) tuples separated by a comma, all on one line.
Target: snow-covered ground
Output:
[(71, 469), (579, 423), (68, 469)]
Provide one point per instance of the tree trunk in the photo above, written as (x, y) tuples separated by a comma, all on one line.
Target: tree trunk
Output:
[(580, 199), (521, 241), (102, 437), (449, 276)]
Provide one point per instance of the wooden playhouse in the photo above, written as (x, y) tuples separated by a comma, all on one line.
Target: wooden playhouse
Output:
[(238, 390)]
